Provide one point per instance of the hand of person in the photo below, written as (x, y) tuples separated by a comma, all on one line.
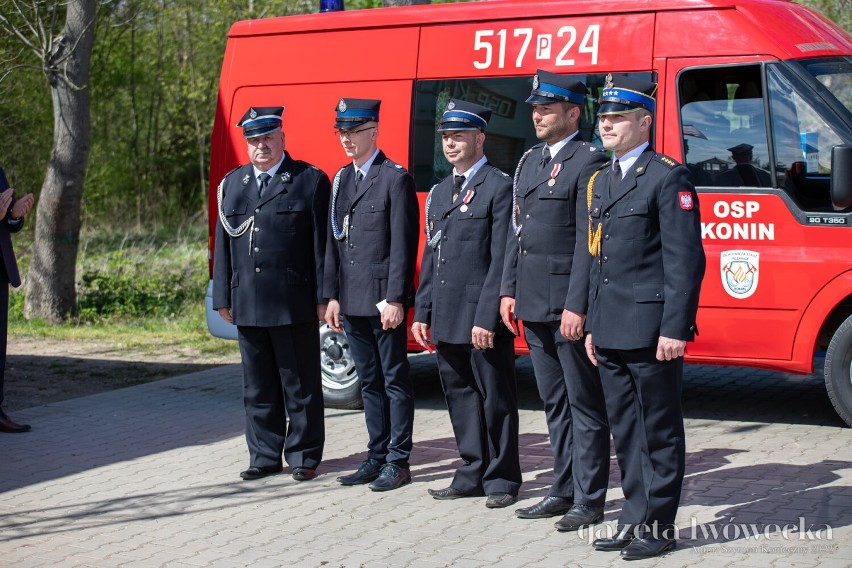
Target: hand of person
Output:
[(332, 315), (590, 350), (482, 338), (571, 326), (420, 332), (507, 313), (668, 348), (225, 314), (392, 315), (5, 201), (321, 311), (22, 206)]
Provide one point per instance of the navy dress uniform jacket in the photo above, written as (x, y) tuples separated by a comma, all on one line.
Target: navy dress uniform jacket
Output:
[(647, 280), (545, 274), (460, 277), (377, 260), (278, 279)]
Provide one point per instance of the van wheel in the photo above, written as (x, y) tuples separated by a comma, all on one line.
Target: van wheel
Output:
[(838, 370), (341, 387)]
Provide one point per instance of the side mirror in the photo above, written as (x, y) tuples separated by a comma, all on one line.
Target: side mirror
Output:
[(841, 177)]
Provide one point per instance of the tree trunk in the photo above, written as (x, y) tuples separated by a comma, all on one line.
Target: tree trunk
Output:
[(50, 282)]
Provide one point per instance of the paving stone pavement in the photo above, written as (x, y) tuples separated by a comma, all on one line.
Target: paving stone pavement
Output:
[(147, 476)]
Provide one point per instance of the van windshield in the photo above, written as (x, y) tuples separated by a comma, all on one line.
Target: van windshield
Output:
[(835, 74)]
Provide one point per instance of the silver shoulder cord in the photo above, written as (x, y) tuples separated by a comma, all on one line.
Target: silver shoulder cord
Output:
[(433, 241), (335, 230), (516, 228), (234, 233)]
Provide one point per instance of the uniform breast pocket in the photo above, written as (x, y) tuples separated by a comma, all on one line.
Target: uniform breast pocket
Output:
[(372, 215), (554, 208), (472, 225), (236, 212), (634, 220), (290, 215)]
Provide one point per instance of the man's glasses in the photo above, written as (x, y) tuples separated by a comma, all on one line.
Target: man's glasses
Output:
[(349, 133)]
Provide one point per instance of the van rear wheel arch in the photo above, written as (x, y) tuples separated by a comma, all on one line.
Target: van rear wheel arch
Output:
[(838, 370)]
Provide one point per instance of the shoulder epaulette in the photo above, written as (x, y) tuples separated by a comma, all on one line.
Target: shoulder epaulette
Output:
[(663, 159), (393, 165)]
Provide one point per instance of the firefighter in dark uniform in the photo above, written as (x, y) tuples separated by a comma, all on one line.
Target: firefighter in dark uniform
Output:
[(369, 280), (545, 284), (267, 280), (644, 237), (467, 216)]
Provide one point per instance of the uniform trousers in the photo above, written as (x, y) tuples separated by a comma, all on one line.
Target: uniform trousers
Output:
[(4, 321), (643, 399), (482, 399), (570, 388), (381, 359), (281, 380)]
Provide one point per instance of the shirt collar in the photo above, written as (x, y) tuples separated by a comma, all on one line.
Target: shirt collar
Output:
[(271, 171), (468, 175), (555, 148), (366, 167), (627, 160)]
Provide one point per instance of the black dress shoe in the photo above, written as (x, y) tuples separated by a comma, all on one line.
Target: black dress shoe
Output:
[(617, 542), (550, 506), (367, 472), (647, 548), (303, 473), (260, 472), (392, 476), (500, 500), (452, 493), (10, 426), (579, 516)]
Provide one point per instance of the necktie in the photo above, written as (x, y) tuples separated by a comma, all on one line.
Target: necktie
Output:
[(545, 157), (358, 177), (458, 181), (263, 179), (616, 177)]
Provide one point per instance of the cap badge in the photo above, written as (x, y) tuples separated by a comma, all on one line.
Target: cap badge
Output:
[(608, 83), (341, 106), (535, 82), (253, 113), (451, 105)]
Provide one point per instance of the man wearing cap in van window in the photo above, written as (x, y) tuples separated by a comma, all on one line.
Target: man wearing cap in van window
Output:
[(369, 280), (545, 284), (647, 265), (467, 216), (744, 172), (267, 280)]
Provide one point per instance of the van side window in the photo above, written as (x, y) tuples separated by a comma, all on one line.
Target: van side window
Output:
[(510, 131), (802, 138), (724, 126)]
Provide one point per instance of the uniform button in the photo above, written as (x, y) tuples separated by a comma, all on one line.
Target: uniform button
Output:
[(351, 227), (445, 237), (443, 261), (527, 216), (523, 252), (658, 296), (353, 210), (372, 206), (606, 280), (351, 262), (257, 269), (631, 210), (351, 245), (606, 259), (256, 229), (606, 214), (257, 210), (290, 206), (256, 249), (606, 237), (442, 282)]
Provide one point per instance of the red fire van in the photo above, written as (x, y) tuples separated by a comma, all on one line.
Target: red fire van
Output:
[(769, 74)]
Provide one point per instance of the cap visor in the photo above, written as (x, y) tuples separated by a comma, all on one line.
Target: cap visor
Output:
[(616, 108), (540, 100), (260, 131)]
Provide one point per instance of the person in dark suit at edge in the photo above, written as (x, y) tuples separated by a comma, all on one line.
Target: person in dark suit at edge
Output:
[(369, 281), (647, 265), (467, 216), (267, 280), (545, 284), (13, 211)]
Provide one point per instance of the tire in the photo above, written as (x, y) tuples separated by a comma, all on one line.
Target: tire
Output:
[(341, 387), (838, 371)]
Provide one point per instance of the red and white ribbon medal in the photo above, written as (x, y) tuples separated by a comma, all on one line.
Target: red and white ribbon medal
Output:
[(466, 199), (557, 167)]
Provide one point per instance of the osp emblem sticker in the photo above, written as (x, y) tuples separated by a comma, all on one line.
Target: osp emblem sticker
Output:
[(740, 271)]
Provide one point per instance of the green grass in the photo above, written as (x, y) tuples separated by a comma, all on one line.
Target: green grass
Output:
[(134, 289)]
